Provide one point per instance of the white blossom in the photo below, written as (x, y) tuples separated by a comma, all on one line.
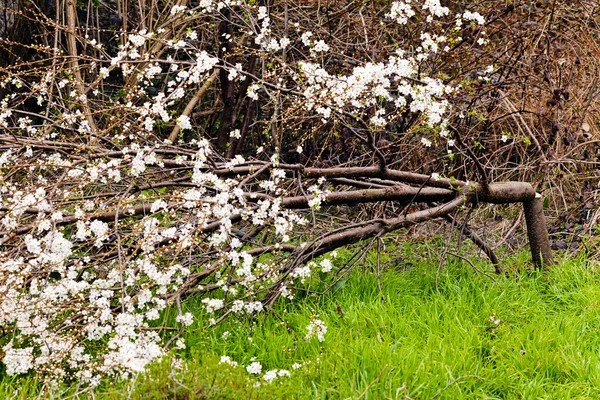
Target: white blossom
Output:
[(137, 40), (316, 328), (184, 122), (176, 9), (255, 368), (401, 11), (186, 319), (18, 361), (251, 93), (228, 360)]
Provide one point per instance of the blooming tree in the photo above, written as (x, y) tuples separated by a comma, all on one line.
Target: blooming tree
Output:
[(173, 156)]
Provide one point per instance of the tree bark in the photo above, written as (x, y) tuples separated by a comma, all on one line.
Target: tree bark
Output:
[(537, 232), (192, 103)]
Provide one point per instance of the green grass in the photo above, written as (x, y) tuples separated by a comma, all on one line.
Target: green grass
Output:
[(419, 341)]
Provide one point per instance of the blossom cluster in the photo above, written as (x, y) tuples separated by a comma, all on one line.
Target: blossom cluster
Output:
[(115, 206)]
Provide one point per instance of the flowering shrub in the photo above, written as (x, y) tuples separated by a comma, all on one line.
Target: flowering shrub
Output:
[(117, 202)]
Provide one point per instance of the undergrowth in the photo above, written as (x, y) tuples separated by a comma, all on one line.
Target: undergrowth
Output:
[(525, 335)]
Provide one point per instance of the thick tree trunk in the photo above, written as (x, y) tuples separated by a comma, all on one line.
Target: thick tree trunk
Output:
[(376, 185), (537, 232)]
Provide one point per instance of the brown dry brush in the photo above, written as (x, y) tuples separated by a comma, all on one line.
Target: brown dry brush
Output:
[(542, 96), (545, 99)]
